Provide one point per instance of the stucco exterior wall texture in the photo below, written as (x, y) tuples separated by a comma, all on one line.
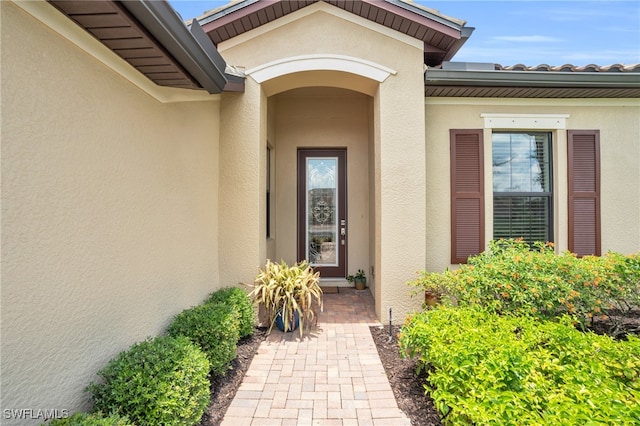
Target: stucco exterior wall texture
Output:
[(398, 108), (619, 125), (242, 214), (109, 215)]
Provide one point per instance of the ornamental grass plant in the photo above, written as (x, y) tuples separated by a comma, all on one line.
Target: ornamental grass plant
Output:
[(288, 291)]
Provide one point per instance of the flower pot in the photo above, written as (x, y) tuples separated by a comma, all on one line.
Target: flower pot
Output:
[(431, 299), (291, 327), (361, 284)]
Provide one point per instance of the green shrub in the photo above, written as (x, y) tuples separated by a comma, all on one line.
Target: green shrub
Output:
[(214, 328), (490, 369), (512, 277), (163, 381), (623, 272), (242, 307), (94, 419)]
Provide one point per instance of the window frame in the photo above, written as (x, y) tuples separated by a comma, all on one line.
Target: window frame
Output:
[(550, 195), (269, 192)]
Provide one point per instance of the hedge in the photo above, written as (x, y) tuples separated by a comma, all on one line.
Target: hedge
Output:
[(491, 369), (163, 381), (242, 306), (214, 328)]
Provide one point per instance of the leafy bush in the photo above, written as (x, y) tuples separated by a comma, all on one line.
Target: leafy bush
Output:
[(95, 419), (163, 381), (624, 295), (214, 328), (491, 369), (512, 277), (242, 307)]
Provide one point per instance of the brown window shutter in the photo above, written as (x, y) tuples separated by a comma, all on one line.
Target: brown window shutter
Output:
[(467, 194), (584, 191)]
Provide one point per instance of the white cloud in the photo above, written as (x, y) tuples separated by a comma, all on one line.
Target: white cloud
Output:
[(528, 39)]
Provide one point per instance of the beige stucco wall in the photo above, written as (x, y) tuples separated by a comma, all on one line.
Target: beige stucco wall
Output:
[(619, 125), (242, 215), (109, 215), (396, 117)]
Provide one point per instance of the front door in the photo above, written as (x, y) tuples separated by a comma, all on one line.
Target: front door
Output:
[(322, 210)]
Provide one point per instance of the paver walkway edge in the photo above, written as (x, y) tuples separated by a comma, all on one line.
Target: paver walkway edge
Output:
[(331, 376)]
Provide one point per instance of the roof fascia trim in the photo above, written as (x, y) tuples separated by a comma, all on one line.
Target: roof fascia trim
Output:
[(315, 8), (227, 11), (436, 22), (234, 83), (465, 33), (51, 17), (424, 13), (538, 102), (531, 79), (323, 62), (204, 63)]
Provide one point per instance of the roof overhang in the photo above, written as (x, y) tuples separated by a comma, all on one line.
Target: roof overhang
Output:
[(530, 84), (152, 37), (442, 36)]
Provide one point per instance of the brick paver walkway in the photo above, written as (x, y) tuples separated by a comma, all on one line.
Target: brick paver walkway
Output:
[(332, 376)]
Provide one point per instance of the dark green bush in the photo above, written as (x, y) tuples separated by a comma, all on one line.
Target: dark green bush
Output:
[(491, 369), (242, 306), (214, 328), (94, 419), (163, 381)]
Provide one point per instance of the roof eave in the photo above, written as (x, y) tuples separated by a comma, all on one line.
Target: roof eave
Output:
[(465, 33), (456, 24), (203, 62), (227, 9), (531, 79)]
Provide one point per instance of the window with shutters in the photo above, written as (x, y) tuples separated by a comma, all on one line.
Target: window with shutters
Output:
[(522, 186)]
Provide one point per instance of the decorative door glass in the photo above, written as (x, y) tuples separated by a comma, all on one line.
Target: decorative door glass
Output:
[(322, 210)]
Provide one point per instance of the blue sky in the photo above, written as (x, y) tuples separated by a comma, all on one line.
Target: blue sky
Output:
[(513, 32)]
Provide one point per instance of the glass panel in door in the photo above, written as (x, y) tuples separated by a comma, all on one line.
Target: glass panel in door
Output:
[(322, 209)]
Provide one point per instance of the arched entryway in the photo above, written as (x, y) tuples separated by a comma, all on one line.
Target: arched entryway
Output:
[(320, 140), (320, 121)]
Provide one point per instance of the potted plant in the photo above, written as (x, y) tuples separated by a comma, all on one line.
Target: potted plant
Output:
[(288, 294), (433, 285), (359, 280)]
